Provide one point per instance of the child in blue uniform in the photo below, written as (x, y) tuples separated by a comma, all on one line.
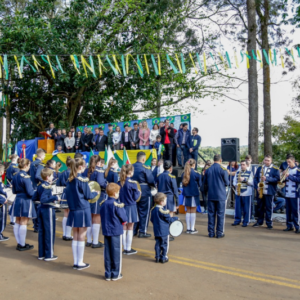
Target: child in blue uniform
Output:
[(23, 207), (191, 182), (96, 173), (51, 164), (78, 193), (129, 195), (161, 220), (46, 216), (113, 216), (62, 181), (111, 174), (3, 202)]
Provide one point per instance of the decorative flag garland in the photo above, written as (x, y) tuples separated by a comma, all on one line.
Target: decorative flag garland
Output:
[(120, 64)]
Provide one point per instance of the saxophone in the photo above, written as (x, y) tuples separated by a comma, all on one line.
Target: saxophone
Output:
[(239, 184), (281, 183), (261, 184)]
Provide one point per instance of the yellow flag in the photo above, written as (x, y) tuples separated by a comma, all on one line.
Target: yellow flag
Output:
[(282, 61), (18, 66), (1, 64), (50, 66), (292, 52), (36, 63), (271, 57), (146, 64), (191, 57), (247, 59), (100, 65), (116, 64), (127, 63), (204, 63), (236, 60), (159, 64), (222, 59), (178, 63), (74, 63), (259, 57)]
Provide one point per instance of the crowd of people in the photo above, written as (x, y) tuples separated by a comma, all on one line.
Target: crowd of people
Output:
[(176, 145)]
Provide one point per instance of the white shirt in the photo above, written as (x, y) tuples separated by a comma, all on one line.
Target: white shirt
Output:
[(117, 137), (248, 192), (153, 135)]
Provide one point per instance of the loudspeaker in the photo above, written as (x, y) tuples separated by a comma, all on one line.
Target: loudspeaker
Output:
[(230, 149), (177, 172)]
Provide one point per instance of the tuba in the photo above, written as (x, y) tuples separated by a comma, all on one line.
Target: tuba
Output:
[(261, 184)]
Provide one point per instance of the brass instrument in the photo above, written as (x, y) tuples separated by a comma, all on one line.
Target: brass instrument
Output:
[(281, 183), (261, 184), (95, 187), (239, 184)]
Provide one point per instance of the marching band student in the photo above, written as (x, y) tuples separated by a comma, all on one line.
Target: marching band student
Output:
[(3, 202), (113, 216), (57, 168), (161, 220), (96, 173), (51, 164), (129, 195), (62, 181), (46, 216), (243, 182), (191, 182), (111, 173), (78, 193), (22, 208)]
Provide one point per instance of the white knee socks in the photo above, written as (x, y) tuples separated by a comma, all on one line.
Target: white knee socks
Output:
[(129, 239), (74, 250), (193, 221), (96, 231), (68, 231), (80, 253), (89, 235), (124, 240), (22, 234), (16, 232), (188, 221), (64, 222)]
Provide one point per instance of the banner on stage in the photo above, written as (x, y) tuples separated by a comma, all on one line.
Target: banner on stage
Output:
[(177, 120)]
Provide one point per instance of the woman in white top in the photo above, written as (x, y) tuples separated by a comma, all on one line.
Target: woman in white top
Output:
[(117, 138), (69, 143), (153, 134)]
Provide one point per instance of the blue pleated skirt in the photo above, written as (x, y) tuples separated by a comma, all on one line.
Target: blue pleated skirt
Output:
[(80, 218), (23, 207), (191, 201), (95, 207), (132, 214), (171, 205)]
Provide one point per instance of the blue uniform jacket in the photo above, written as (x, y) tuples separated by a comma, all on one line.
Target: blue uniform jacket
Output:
[(161, 221), (11, 171), (194, 142), (166, 184), (3, 194), (98, 176), (63, 178), (55, 175), (112, 176), (192, 189), (272, 177), (36, 168), (113, 215), (129, 193), (180, 136), (295, 178), (215, 182), (44, 195), (143, 175), (22, 185), (78, 193)]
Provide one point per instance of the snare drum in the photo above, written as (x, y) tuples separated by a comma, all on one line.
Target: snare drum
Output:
[(176, 228)]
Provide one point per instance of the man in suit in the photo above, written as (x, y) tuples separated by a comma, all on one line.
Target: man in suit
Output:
[(72, 129), (101, 141), (125, 139), (167, 138), (95, 138), (182, 142), (51, 130), (86, 140), (134, 137), (59, 139)]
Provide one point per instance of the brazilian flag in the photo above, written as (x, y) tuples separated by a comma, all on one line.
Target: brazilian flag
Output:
[(80, 128), (155, 121), (128, 123), (186, 118), (171, 119), (101, 126), (90, 127), (114, 125)]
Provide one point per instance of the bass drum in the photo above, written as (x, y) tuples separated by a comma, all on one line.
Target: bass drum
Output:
[(176, 228)]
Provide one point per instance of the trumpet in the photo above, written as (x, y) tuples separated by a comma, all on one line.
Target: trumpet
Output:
[(261, 184), (281, 183)]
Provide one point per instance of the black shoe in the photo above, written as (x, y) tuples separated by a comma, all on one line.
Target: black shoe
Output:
[(124, 252), (163, 261), (171, 238), (65, 238), (270, 227), (297, 231), (51, 258), (220, 236), (58, 210), (177, 212), (12, 223), (18, 246), (26, 247), (288, 229), (99, 245), (75, 267), (256, 225), (3, 238), (193, 231), (144, 235), (83, 267), (130, 252), (234, 224), (157, 260), (35, 231), (211, 235), (244, 225), (135, 233), (88, 244)]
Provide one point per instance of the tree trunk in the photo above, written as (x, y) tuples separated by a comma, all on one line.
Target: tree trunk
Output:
[(266, 81), (252, 83)]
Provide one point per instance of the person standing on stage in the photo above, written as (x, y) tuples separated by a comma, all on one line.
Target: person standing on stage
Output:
[(269, 176), (134, 137), (101, 141), (191, 182), (182, 142), (143, 175), (194, 145), (110, 133), (292, 175), (125, 142), (243, 181), (51, 130), (215, 182), (167, 135), (144, 134)]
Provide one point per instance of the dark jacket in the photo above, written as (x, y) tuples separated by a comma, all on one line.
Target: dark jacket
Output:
[(123, 138), (273, 176), (180, 137), (194, 142), (78, 143), (60, 141), (100, 144), (131, 137), (162, 133), (87, 139)]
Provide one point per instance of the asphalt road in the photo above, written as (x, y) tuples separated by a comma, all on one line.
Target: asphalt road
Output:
[(249, 263)]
